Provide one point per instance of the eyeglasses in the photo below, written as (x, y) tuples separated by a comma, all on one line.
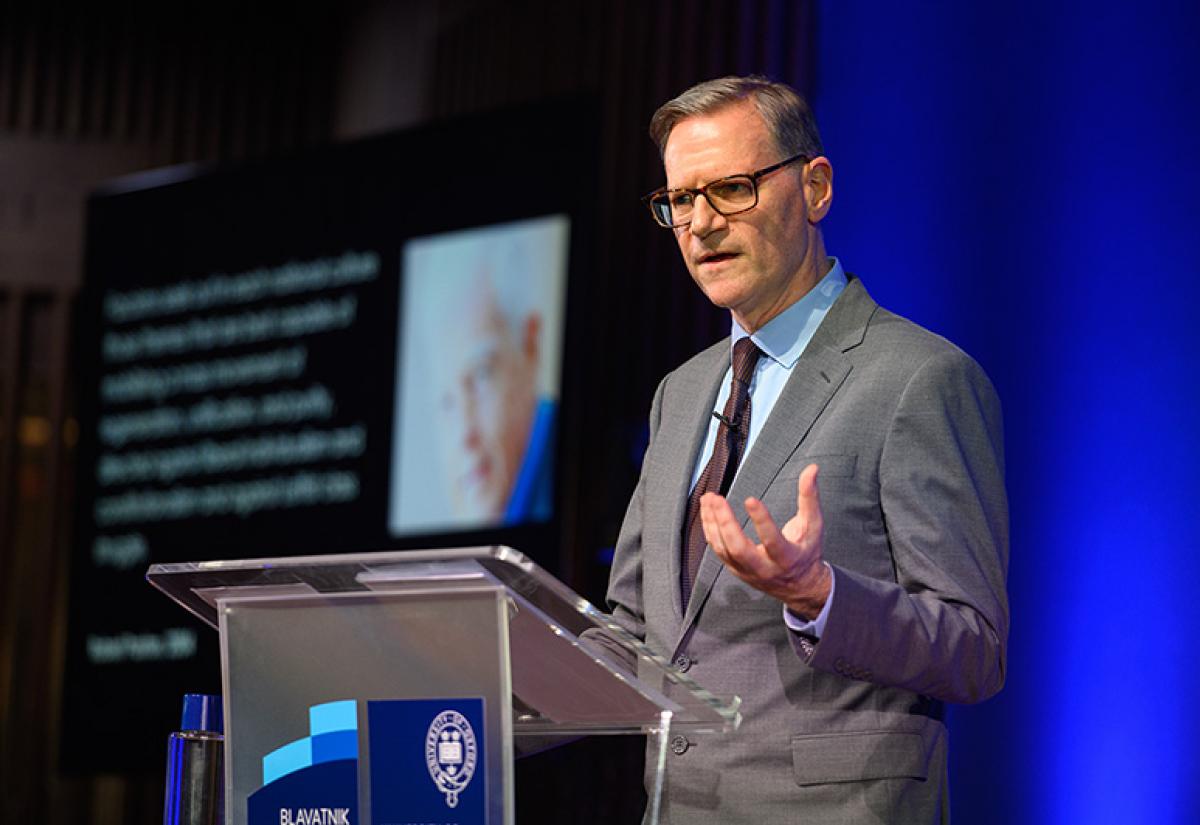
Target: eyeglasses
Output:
[(727, 196)]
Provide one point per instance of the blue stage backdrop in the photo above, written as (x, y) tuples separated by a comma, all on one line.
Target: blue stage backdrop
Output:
[(1024, 179)]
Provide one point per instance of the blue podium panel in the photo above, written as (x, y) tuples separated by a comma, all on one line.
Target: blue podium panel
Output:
[(428, 763)]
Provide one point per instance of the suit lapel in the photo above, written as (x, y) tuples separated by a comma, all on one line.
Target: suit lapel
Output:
[(680, 448), (818, 375)]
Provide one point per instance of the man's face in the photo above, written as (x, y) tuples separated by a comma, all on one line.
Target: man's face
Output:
[(755, 263), (489, 402)]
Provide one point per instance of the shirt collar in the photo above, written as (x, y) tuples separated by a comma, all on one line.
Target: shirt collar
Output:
[(786, 335)]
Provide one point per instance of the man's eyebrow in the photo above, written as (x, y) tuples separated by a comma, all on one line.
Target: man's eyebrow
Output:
[(706, 182)]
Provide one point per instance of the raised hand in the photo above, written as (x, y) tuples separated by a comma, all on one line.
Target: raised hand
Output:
[(786, 563)]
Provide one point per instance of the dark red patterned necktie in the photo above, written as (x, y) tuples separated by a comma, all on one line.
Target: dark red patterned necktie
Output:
[(722, 465)]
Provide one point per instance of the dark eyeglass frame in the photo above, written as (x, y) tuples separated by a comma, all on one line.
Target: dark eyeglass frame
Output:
[(753, 177)]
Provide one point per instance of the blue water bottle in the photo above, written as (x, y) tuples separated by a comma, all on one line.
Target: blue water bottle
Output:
[(196, 765)]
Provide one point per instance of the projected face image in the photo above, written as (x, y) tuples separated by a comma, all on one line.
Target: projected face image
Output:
[(479, 349), (488, 400)]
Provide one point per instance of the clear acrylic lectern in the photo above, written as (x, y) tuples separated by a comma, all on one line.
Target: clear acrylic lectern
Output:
[(394, 687)]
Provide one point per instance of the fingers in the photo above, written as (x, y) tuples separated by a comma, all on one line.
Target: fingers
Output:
[(768, 531), (708, 519), (721, 528), (751, 562), (776, 551), (783, 560), (808, 501), (807, 494)]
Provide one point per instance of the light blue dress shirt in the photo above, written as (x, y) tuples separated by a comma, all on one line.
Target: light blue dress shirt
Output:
[(782, 342)]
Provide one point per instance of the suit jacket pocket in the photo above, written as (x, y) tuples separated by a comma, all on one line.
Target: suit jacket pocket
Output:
[(831, 466), (853, 757)]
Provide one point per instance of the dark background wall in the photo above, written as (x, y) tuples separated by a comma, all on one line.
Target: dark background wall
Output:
[(1023, 181)]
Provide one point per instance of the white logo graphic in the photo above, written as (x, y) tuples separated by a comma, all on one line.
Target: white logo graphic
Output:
[(451, 753)]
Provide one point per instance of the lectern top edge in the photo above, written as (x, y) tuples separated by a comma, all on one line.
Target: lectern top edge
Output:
[(556, 632)]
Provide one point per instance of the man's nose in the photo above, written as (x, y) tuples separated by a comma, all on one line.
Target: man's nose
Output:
[(705, 219)]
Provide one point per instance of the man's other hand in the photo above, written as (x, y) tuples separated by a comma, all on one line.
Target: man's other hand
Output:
[(787, 563)]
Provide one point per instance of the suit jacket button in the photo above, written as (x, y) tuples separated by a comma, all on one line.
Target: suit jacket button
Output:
[(683, 662), (679, 744)]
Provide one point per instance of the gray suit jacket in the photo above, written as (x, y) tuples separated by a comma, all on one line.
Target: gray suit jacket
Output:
[(907, 432)]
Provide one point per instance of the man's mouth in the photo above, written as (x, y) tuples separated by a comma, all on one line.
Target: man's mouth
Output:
[(716, 257)]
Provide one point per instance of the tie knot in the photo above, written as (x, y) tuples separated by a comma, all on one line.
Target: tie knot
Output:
[(745, 357)]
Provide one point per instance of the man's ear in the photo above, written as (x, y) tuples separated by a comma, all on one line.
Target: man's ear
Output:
[(531, 336), (818, 188)]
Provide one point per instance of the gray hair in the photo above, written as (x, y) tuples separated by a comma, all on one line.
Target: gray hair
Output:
[(787, 115)]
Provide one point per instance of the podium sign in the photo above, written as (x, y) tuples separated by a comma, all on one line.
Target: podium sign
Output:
[(393, 688), (290, 663)]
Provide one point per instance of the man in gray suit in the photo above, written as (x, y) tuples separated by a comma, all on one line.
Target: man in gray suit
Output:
[(844, 612)]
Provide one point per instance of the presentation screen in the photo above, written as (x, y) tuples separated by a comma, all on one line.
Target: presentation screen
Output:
[(361, 348)]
